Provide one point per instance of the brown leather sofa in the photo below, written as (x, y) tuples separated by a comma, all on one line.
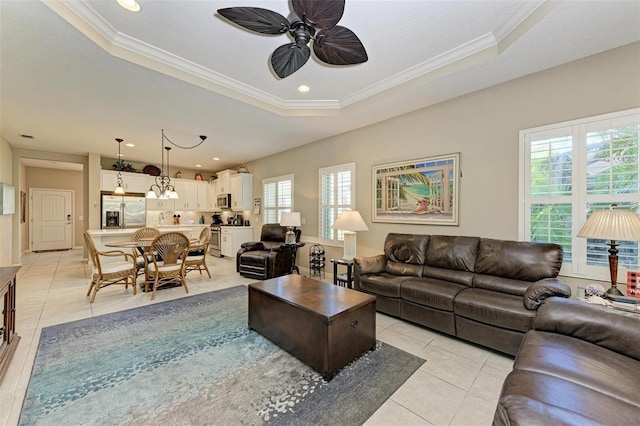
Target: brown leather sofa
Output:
[(579, 366), (479, 289), (268, 258)]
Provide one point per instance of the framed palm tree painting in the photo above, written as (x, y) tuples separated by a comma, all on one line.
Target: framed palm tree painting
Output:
[(422, 191)]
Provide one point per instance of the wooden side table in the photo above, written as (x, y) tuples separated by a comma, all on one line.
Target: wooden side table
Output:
[(343, 280), (8, 337), (294, 255)]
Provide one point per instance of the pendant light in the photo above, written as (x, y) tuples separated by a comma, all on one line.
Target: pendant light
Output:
[(119, 189), (163, 189)]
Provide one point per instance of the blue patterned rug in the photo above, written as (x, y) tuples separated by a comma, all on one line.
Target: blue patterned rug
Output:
[(193, 361)]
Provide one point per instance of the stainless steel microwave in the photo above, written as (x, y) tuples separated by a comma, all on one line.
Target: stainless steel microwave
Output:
[(224, 201)]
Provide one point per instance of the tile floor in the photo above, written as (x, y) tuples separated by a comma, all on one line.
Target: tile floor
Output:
[(459, 383)]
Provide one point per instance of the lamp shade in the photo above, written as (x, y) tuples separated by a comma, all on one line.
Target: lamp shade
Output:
[(350, 220), (290, 219), (613, 224)]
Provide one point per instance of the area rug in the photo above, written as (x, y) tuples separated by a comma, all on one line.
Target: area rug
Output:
[(193, 361)]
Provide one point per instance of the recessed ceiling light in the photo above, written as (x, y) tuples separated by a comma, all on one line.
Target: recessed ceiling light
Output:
[(130, 5), (120, 155), (303, 89), (130, 145), (198, 165), (216, 159)]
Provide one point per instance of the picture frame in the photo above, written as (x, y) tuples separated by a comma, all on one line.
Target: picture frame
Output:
[(420, 191)]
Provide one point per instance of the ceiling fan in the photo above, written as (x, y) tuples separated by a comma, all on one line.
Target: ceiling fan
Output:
[(332, 43)]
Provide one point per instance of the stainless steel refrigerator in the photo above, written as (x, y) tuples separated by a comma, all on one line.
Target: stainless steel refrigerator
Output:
[(123, 211)]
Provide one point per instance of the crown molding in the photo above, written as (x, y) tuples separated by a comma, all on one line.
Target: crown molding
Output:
[(90, 23)]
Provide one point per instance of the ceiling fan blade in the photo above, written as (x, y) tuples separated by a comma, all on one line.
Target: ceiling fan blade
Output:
[(289, 58), (319, 14), (256, 19), (339, 46)]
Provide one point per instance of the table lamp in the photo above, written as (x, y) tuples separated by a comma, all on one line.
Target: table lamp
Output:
[(291, 221), (350, 222), (614, 225)]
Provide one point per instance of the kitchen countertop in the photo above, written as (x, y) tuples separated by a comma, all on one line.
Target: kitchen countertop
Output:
[(130, 231)]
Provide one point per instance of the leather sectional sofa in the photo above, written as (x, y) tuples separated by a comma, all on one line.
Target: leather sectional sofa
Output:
[(482, 290), (579, 366)]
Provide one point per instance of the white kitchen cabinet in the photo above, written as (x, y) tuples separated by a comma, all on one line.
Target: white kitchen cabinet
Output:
[(160, 205), (187, 194), (224, 181), (232, 238), (212, 200), (202, 196), (241, 192), (131, 182)]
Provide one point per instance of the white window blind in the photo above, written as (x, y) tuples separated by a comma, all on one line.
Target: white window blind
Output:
[(571, 169), (337, 193), (277, 196)]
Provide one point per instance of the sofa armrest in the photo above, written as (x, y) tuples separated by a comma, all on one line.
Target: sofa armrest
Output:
[(370, 265), (540, 290), (612, 329), (367, 265), (253, 245)]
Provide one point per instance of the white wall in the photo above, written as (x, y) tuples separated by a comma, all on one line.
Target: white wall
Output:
[(482, 126), (6, 221)]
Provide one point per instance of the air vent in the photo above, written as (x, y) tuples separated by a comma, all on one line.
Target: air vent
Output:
[(27, 136)]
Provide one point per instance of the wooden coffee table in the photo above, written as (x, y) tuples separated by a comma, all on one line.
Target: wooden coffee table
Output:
[(323, 325)]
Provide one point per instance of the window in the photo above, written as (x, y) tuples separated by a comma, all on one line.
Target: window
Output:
[(569, 170), (277, 197), (337, 190)]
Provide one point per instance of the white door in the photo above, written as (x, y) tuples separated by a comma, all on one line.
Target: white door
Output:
[(51, 222)]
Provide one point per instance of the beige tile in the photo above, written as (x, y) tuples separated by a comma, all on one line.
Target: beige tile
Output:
[(488, 384), (500, 361), (474, 411), (392, 413), (461, 347), (401, 341), (450, 367), (413, 331), (430, 398), (385, 321)]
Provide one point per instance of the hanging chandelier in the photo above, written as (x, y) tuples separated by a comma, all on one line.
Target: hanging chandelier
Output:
[(163, 189), (119, 188)]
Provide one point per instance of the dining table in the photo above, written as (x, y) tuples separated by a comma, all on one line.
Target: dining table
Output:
[(143, 245)]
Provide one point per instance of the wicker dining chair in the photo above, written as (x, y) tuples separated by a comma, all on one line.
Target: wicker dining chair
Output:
[(167, 264), (104, 274), (197, 257), (140, 234)]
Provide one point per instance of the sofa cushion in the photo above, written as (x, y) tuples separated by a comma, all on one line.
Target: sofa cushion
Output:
[(518, 260), (498, 309), (255, 257), (430, 292), (501, 285), (383, 284), (451, 252), (580, 362), (406, 248), (458, 277)]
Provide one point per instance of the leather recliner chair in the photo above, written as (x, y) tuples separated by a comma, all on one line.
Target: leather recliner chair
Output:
[(268, 258)]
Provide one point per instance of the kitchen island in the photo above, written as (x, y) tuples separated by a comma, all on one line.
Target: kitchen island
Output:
[(101, 237)]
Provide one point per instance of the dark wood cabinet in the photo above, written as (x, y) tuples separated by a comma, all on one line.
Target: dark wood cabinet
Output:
[(8, 326)]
